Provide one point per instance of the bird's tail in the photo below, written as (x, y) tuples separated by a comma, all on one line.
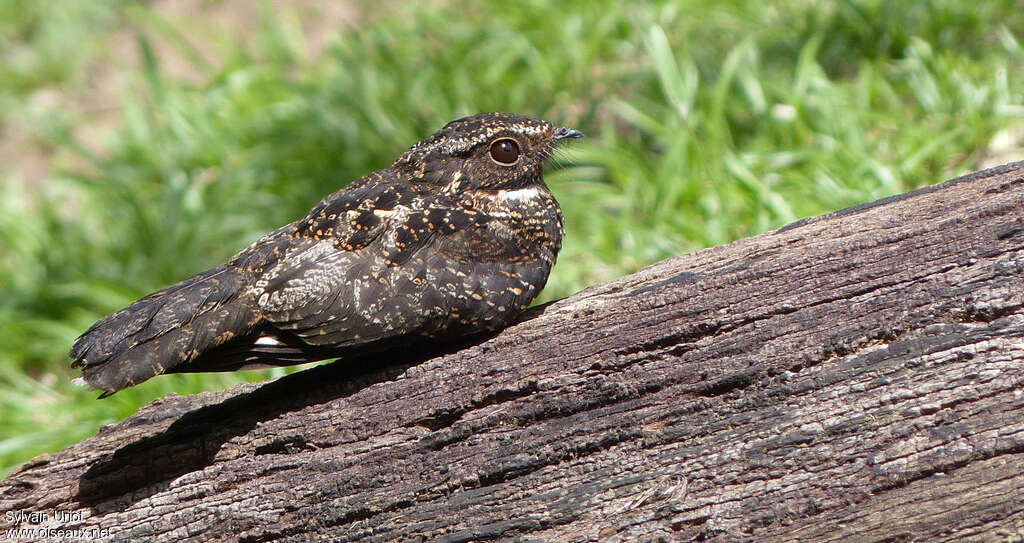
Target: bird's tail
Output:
[(163, 330)]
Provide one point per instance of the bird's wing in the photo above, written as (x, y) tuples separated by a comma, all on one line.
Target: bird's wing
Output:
[(298, 272), (356, 270), (431, 270)]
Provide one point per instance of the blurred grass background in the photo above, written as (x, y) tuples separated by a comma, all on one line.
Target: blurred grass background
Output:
[(143, 142)]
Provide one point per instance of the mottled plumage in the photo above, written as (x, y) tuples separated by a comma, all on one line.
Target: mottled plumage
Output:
[(456, 237)]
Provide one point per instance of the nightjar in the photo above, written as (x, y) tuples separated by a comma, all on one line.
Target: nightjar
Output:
[(455, 238)]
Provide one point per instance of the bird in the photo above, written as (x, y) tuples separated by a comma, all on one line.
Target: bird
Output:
[(455, 238)]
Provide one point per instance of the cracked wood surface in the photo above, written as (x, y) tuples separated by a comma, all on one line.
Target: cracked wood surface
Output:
[(852, 377)]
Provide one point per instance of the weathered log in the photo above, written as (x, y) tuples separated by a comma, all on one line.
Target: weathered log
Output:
[(857, 376)]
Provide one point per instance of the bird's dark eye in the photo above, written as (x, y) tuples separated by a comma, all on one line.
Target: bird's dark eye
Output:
[(505, 151)]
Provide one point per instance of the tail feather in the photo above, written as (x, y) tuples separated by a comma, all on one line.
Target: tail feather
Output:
[(265, 347), (165, 329)]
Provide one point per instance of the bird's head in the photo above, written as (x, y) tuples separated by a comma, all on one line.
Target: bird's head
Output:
[(490, 151)]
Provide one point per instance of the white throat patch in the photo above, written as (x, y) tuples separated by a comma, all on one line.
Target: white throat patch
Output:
[(519, 195)]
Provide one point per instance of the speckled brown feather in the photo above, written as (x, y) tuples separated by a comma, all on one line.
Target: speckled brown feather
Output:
[(444, 243)]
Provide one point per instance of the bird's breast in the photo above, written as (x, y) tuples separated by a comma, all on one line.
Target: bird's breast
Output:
[(527, 217)]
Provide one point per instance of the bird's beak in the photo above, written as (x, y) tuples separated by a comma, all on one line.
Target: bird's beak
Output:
[(562, 132)]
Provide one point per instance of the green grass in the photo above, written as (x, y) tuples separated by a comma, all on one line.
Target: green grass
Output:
[(706, 122)]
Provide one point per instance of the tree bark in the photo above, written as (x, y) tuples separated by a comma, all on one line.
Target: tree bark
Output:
[(857, 376)]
